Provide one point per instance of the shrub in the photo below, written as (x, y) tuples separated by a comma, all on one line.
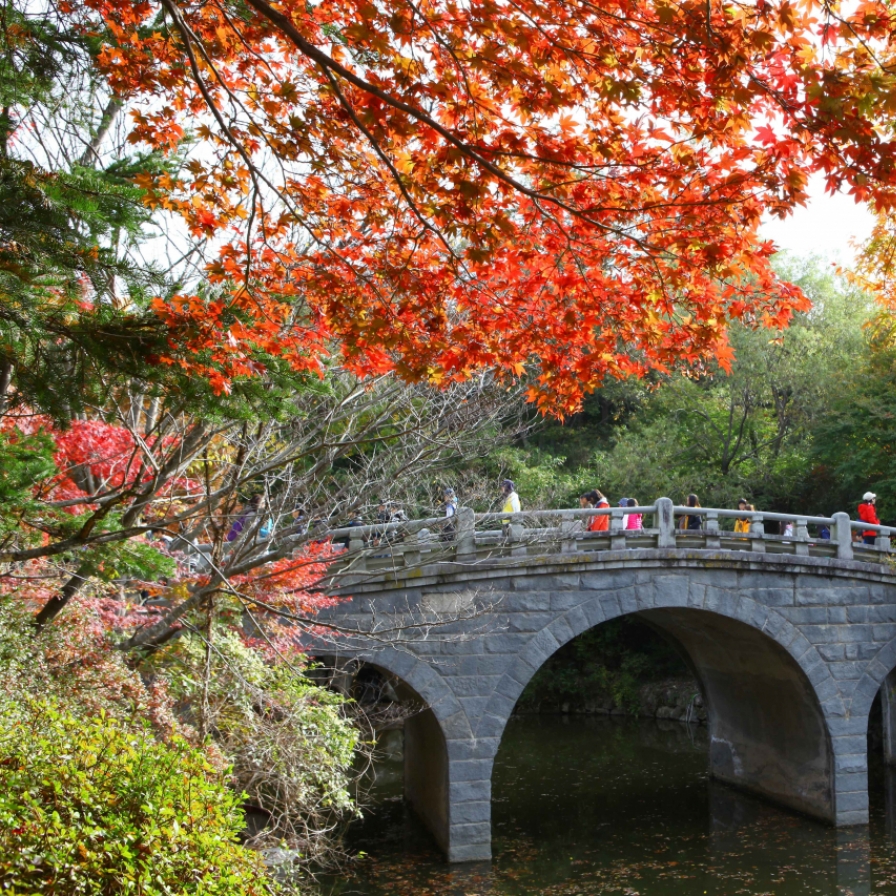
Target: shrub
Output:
[(95, 807)]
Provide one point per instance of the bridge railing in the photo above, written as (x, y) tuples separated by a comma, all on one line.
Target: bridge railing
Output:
[(470, 537)]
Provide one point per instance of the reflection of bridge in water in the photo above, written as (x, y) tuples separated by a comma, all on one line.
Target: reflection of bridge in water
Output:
[(790, 638)]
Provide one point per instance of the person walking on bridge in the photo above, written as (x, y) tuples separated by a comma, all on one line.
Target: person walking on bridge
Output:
[(599, 522), (868, 514), (742, 523), (511, 502), (449, 508)]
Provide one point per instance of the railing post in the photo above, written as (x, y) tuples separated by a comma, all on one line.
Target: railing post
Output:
[(665, 522), (712, 529), (465, 543), (617, 529), (801, 533), (568, 529), (843, 536), (356, 552), (883, 542), (757, 530)]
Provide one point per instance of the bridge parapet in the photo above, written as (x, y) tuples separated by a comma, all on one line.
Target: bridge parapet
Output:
[(476, 537)]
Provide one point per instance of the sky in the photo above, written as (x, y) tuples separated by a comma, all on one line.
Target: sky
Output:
[(825, 226)]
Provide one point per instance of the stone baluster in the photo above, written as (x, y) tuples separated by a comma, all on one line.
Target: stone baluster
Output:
[(568, 529), (883, 542), (842, 536), (465, 542), (665, 522), (801, 537), (356, 552), (757, 531), (711, 527), (518, 546), (617, 529), (410, 552)]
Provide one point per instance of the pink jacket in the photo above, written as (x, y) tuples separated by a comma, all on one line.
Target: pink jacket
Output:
[(634, 521)]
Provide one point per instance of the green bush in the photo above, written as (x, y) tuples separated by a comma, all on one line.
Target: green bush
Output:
[(94, 807)]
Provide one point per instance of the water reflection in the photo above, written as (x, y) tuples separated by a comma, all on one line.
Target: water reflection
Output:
[(586, 806)]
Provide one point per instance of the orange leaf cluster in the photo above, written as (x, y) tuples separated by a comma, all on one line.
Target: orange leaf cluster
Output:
[(562, 187)]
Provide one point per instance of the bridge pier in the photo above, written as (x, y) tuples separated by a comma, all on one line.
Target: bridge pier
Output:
[(767, 730), (888, 714), (426, 775)]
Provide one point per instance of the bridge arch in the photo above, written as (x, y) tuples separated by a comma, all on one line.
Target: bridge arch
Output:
[(771, 700), (427, 785)]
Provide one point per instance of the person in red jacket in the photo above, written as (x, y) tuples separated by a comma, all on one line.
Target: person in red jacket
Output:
[(868, 514)]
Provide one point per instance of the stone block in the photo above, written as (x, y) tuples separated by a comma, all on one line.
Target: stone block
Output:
[(863, 652), (806, 615), (774, 597), (469, 645), (849, 744), (849, 782), (628, 601), (565, 600), (474, 852), (882, 594), (545, 582), (719, 578), (862, 615), (697, 595), (531, 622), (846, 670), (855, 801), (822, 634), (561, 630), (837, 615), (593, 612), (832, 652), (469, 792), (883, 632), (474, 707), (882, 613), (846, 726), (464, 748), (527, 601), (456, 726), (471, 770), (826, 689), (648, 596), (543, 645), (473, 685), (849, 762), (471, 812), (506, 642), (494, 720), (602, 581), (467, 834), (848, 818), (830, 596)]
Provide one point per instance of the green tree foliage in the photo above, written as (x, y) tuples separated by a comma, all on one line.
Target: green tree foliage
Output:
[(611, 661), (855, 439), (70, 214), (98, 807), (757, 432)]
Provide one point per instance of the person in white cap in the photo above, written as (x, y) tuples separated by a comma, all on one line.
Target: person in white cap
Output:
[(868, 514)]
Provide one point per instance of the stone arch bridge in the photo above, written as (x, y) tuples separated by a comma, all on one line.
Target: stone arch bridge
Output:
[(790, 638)]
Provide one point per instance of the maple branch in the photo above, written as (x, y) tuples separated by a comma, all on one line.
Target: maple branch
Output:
[(328, 63)]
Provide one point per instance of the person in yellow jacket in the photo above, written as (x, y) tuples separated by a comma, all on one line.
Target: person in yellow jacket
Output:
[(742, 524), (511, 501)]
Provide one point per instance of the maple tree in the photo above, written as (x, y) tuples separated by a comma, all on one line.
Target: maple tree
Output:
[(567, 190)]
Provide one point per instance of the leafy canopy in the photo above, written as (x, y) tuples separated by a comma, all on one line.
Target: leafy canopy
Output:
[(566, 188)]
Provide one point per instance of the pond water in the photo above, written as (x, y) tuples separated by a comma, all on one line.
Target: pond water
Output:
[(585, 806)]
